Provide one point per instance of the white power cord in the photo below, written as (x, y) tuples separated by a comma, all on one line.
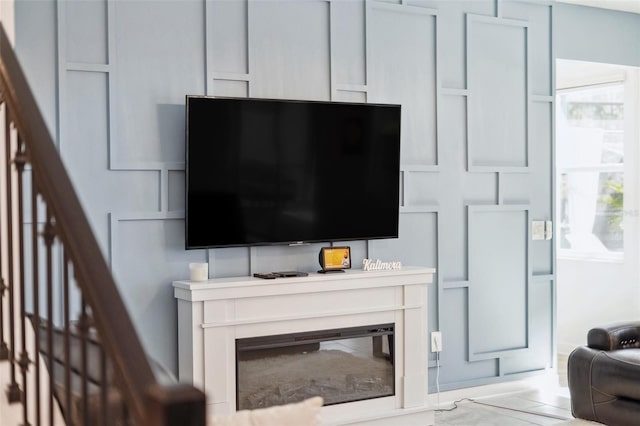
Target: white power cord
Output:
[(438, 379)]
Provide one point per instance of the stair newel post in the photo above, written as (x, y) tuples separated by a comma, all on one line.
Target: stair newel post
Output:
[(13, 390), (36, 292), (49, 235), (177, 405), (4, 349), (20, 161)]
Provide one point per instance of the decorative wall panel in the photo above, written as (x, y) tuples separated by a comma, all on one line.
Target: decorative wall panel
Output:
[(456, 368), (228, 40), (37, 46), (149, 89), (498, 99), (348, 42), (284, 258), (416, 244), (424, 188), (160, 243), (349, 96), (86, 96), (515, 188), (176, 185), (284, 69), (542, 256), (231, 262), (86, 32), (401, 55), (473, 78), (231, 88), (539, 40), (496, 275), (540, 355)]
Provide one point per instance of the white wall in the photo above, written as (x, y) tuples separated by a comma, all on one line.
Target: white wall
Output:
[(7, 17), (596, 35), (591, 293)]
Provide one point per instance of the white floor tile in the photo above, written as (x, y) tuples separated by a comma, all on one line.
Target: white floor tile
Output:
[(522, 408)]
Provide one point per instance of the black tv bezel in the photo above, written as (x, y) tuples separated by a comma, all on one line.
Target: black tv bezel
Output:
[(278, 243)]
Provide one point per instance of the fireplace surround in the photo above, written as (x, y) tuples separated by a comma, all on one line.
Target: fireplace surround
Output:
[(215, 316)]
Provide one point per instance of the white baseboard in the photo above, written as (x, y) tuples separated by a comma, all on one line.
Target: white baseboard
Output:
[(565, 348), (548, 380)]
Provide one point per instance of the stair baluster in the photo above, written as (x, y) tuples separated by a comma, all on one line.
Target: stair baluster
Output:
[(14, 393), (4, 348), (20, 161), (49, 236), (35, 279), (67, 340)]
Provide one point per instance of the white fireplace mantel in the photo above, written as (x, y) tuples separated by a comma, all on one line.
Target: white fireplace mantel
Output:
[(213, 314)]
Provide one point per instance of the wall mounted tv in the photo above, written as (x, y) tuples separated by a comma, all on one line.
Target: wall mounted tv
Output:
[(266, 171)]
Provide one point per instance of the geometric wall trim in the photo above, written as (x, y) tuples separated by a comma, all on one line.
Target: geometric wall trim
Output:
[(114, 225), (498, 94), (160, 242), (475, 163), (502, 273), (281, 69), (420, 228), (406, 37), (418, 243)]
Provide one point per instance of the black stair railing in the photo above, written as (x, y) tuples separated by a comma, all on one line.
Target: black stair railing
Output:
[(98, 372)]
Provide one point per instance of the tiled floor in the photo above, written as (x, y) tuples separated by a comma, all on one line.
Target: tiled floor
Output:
[(537, 404), (546, 402), (527, 408)]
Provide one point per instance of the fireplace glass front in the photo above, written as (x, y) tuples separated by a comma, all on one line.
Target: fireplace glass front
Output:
[(341, 365)]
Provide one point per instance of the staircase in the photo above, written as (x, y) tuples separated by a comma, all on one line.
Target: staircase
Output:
[(67, 370), (78, 360)]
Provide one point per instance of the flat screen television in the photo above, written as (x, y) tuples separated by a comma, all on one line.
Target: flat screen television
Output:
[(267, 171)]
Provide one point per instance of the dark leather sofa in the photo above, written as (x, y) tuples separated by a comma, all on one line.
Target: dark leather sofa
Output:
[(604, 376)]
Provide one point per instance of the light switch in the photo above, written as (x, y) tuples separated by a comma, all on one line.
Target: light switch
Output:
[(538, 230), (548, 230)]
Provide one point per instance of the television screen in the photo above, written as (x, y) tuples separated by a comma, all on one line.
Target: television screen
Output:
[(265, 171)]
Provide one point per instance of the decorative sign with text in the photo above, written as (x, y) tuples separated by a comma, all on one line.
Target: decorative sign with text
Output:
[(378, 265)]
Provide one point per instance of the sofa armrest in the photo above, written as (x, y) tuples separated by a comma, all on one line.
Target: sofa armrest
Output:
[(620, 335), (579, 368)]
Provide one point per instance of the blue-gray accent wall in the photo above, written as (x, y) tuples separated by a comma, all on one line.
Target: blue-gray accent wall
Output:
[(475, 79)]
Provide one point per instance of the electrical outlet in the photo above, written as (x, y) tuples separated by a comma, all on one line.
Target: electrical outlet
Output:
[(436, 341)]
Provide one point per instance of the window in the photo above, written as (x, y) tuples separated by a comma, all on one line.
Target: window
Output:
[(590, 170)]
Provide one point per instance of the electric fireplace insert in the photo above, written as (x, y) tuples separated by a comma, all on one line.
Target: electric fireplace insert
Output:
[(341, 365)]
